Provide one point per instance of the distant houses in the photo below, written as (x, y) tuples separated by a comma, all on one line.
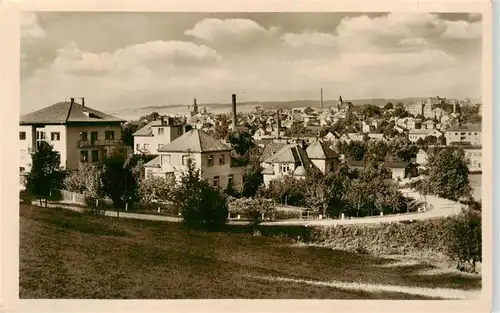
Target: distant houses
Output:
[(79, 133)]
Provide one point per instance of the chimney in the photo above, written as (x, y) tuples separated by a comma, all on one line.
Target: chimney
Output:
[(83, 101), (278, 122), (72, 101), (321, 98), (234, 111)]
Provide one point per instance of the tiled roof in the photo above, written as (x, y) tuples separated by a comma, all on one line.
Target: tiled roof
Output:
[(195, 141), (153, 163), (320, 150), (270, 149), (466, 127), (291, 153), (420, 131), (145, 131), (64, 112)]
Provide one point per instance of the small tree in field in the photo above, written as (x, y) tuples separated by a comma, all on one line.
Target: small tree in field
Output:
[(201, 204), (87, 180), (45, 177), (153, 188)]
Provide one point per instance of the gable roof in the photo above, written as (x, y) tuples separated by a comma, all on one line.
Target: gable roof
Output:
[(65, 112), (320, 150), (270, 149), (290, 153), (145, 131), (196, 141)]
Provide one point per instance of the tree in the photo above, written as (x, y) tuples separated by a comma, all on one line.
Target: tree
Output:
[(388, 106), (127, 133), (297, 129), (252, 180), (45, 177), (448, 173), (222, 127), (201, 204), (430, 140), (153, 188), (287, 190), (254, 209), (87, 180), (420, 142), (308, 110), (241, 141), (119, 182)]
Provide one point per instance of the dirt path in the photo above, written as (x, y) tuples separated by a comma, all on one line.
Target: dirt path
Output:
[(438, 293)]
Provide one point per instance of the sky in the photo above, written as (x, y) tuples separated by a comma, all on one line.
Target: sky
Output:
[(130, 60)]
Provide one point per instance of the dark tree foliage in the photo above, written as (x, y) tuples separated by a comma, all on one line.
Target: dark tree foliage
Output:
[(388, 106), (252, 180), (45, 177), (241, 141), (448, 174), (120, 179), (201, 205), (296, 130)]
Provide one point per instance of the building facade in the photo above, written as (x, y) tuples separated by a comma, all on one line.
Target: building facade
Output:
[(469, 134), (80, 134), (156, 134)]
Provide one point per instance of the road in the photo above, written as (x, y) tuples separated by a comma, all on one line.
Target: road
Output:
[(439, 208)]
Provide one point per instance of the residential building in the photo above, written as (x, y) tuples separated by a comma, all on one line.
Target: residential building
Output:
[(421, 157), (469, 134), (77, 132), (474, 155), (323, 158), (397, 169), (210, 156), (292, 160), (156, 134), (415, 134)]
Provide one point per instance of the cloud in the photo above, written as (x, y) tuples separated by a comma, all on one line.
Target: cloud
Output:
[(144, 57), (30, 27), (239, 30), (462, 30), (310, 39)]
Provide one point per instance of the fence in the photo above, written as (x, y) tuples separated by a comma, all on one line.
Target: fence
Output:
[(72, 197)]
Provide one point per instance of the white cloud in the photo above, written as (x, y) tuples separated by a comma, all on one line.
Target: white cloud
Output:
[(310, 39), (136, 58), (462, 30), (240, 30), (30, 27)]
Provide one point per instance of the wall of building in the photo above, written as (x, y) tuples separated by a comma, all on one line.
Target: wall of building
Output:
[(398, 173), (26, 146), (73, 137), (475, 159), (170, 133), (462, 136)]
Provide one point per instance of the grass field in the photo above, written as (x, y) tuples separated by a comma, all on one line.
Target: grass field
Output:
[(64, 254)]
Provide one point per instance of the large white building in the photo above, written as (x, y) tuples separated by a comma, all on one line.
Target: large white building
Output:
[(156, 134), (469, 134), (211, 157), (77, 132)]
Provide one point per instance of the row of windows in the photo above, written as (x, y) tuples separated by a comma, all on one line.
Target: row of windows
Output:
[(215, 180), (40, 135), (463, 134), (84, 156), (222, 160), (94, 136), (161, 130)]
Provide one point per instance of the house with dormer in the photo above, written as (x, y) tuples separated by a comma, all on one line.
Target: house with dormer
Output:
[(210, 156)]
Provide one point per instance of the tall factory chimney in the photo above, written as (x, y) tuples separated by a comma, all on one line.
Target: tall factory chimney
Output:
[(234, 111), (278, 123), (321, 98)]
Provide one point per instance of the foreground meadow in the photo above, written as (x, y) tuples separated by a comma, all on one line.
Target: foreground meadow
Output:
[(64, 254)]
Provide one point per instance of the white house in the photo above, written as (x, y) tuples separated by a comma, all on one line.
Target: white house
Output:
[(291, 159), (210, 156), (77, 132), (156, 134), (469, 134)]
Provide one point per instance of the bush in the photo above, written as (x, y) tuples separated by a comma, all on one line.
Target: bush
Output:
[(464, 241), (25, 197), (456, 239), (254, 209), (95, 206)]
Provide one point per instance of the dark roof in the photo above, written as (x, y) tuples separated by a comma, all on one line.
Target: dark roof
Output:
[(466, 127), (291, 153), (145, 131), (153, 163), (64, 112), (196, 141), (355, 163), (395, 164), (320, 150)]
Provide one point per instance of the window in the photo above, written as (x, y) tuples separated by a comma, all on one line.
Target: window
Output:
[(160, 145), (94, 136), (284, 168), (137, 146), (184, 159), (84, 136), (21, 169), (22, 135), (55, 136), (210, 160), (221, 159), (230, 179), (146, 146), (216, 181), (84, 156), (40, 135), (161, 130), (109, 135), (95, 155)]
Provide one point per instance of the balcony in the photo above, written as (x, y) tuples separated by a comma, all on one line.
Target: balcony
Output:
[(99, 143)]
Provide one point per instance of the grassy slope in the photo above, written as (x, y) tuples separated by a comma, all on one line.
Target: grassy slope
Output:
[(66, 255)]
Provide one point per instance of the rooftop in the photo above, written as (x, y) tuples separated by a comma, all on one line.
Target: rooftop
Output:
[(65, 112), (466, 127), (320, 150), (195, 141)]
